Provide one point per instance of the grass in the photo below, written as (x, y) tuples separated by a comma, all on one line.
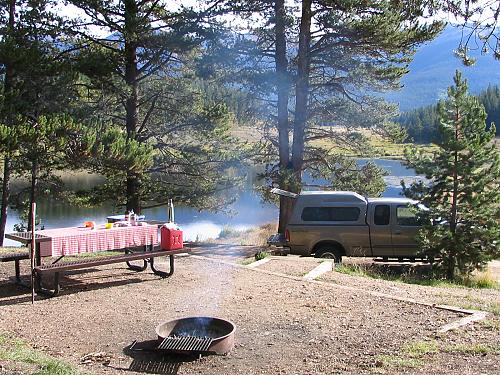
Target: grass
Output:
[(396, 361), (491, 324), (473, 349), (412, 355), (377, 146), (492, 307), (93, 255), (384, 148), (420, 275), (32, 361), (231, 232), (484, 280), (261, 255), (256, 236), (12, 249), (247, 261), (420, 348)]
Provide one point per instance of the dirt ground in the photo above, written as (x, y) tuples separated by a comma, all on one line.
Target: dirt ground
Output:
[(284, 325)]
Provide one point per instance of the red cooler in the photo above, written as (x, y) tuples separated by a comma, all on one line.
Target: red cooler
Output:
[(171, 239)]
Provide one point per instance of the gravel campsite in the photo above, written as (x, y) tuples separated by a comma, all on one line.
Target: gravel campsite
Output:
[(336, 324)]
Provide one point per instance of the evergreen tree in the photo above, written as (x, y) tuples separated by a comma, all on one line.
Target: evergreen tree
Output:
[(316, 73), (422, 123), (490, 98), (461, 226), (43, 145), (140, 77), (35, 80)]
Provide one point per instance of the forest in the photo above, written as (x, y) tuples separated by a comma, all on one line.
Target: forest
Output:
[(421, 124)]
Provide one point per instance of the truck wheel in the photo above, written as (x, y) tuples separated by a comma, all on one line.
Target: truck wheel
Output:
[(329, 252)]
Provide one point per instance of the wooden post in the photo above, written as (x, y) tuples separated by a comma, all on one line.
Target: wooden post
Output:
[(33, 250)]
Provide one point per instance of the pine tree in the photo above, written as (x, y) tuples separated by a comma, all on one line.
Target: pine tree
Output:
[(461, 226), (57, 142), (422, 123), (141, 78), (315, 74), (35, 80)]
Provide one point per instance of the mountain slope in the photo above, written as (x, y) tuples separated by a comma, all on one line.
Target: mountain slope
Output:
[(432, 70)]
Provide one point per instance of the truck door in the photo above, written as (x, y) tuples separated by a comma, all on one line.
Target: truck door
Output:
[(380, 229), (404, 231)]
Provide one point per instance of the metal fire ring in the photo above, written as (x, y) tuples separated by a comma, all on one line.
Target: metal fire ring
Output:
[(220, 331)]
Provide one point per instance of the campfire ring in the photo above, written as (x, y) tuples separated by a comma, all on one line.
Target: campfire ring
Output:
[(201, 334)]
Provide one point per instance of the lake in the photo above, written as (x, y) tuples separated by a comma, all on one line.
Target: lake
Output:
[(248, 210)]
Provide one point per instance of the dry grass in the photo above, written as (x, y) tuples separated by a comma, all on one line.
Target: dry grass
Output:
[(378, 146), (485, 279), (12, 249), (253, 236), (417, 275)]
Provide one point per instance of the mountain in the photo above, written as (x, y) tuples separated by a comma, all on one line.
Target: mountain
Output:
[(433, 68)]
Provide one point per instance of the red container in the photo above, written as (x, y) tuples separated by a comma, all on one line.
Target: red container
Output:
[(171, 239)]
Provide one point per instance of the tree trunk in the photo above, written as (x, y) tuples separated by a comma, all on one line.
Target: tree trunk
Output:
[(131, 72), (450, 268), (7, 165), (283, 87), (450, 274), (302, 91), (34, 183), (5, 197)]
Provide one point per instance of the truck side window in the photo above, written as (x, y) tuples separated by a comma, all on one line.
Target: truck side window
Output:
[(406, 217), (382, 215), (330, 214)]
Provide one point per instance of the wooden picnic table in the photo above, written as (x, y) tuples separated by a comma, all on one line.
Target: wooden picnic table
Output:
[(137, 242)]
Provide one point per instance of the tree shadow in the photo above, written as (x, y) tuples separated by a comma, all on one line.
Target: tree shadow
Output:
[(227, 250), (13, 294), (408, 272)]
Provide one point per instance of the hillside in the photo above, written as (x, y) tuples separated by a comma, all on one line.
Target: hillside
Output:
[(432, 70)]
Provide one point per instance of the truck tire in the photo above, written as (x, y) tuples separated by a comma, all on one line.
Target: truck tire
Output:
[(329, 252)]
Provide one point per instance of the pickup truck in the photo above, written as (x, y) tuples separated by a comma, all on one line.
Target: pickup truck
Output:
[(332, 224)]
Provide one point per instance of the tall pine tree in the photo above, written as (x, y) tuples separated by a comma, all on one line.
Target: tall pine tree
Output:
[(461, 226), (34, 79), (315, 73), (140, 77)]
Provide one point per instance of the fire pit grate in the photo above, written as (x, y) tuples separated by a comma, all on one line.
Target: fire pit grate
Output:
[(186, 343), (201, 334)]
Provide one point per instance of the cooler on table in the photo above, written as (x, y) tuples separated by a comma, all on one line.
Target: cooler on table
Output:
[(171, 238)]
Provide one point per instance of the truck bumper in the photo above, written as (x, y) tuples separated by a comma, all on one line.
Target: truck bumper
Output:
[(278, 240)]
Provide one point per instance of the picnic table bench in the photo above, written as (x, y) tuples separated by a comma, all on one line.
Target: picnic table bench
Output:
[(15, 257), (138, 243), (147, 256)]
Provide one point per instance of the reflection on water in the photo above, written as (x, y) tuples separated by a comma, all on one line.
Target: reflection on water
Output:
[(248, 209), (248, 212)]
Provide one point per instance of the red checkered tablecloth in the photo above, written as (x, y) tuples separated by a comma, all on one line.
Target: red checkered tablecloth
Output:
[(70, 241)]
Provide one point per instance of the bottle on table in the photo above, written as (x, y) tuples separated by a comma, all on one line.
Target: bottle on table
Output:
[(132, 217)]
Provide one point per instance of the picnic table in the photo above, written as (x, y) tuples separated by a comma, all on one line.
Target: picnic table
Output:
[(137, 242)]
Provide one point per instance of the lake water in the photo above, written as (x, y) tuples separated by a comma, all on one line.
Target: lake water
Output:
[(248, 210)]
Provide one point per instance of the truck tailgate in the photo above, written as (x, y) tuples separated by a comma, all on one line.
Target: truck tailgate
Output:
[(277, 239)]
